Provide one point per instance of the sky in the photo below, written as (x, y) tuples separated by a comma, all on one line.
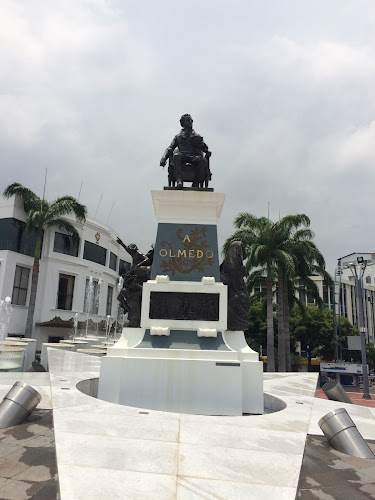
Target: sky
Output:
[(282, 92)]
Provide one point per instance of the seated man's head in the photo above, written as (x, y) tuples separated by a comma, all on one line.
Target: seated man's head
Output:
[(186, 121)]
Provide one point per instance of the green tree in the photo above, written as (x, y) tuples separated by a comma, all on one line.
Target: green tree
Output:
[(265, 248), (370, 356), (290, 235), (41, 215), (308, 261), (312, 326), (256, 335)]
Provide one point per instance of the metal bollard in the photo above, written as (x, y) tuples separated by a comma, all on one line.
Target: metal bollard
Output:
[(343, 435), (335, 391), (18, 404)]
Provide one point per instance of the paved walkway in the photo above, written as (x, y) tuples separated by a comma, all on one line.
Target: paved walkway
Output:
[(103, 447), (356, 397), (28, 469), (328, 474)]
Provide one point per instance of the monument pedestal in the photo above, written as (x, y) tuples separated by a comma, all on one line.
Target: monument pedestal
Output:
[(183, 359), (225, 380)]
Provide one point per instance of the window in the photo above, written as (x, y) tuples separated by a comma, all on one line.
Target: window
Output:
[(13, 237), (95, 253), (368, 279), (65, 244), (21, 281), (310, 298), (302, 294), (54, 339), (109, 301), (92, 293), (123, 268), (65, 292), (326, 293), (112, 261)]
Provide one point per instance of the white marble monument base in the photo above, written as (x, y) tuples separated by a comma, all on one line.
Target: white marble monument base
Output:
[(228, 381)]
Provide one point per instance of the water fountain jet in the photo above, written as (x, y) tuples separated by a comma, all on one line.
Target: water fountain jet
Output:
[(11, 357)]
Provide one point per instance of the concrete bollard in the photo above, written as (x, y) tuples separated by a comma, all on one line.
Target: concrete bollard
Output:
[(343, 435), (335, 391), (18, 404)]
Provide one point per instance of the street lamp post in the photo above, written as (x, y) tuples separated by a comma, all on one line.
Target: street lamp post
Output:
[(371, 300), (339, 270), (358, 279), (335, 347)]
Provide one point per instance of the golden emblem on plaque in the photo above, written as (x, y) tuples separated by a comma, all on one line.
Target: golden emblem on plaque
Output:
[(97, 237), (190, 252)]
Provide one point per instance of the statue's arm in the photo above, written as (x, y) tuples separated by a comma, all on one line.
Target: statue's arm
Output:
[(168, 152), (201, 145), (122, 244), (206, 150), (165, 157)]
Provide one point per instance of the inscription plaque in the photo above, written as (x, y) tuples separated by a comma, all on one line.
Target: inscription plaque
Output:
[(184, 306)]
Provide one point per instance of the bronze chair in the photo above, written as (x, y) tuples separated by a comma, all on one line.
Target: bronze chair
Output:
[(188, 173)]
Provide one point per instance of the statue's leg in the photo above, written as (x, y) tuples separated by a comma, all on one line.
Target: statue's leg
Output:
[(177, 162), (123, 302), (200, 172), (171, 176), (207, 176)]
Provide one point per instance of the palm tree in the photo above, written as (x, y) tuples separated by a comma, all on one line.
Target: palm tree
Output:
[(289, 230), (264, 244), (284, 249), (41, 215), (308, 261)]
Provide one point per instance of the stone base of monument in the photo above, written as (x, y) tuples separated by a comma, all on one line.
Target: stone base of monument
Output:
[(183, 359), (183, 373)]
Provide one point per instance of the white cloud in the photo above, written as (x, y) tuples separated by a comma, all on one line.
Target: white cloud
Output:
[(323, 60), (94, 89)]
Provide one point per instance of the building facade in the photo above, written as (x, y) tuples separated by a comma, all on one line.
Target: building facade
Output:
[(343, 298), (65, 290)]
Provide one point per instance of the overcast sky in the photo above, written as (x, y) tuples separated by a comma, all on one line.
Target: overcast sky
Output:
[(283, 93)]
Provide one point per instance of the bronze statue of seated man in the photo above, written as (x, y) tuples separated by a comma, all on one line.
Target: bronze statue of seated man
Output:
[(187, 149)]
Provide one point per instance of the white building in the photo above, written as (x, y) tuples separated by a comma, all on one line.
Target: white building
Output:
[(346, 302), (349, 302), (64, 272), (345, 299)]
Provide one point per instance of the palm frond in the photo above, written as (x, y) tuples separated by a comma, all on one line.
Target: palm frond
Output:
[(29, 198), (35, 220), (303, 234), (294, 221), (66, 205), (245, 219), (285, 261), (255, 278)]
